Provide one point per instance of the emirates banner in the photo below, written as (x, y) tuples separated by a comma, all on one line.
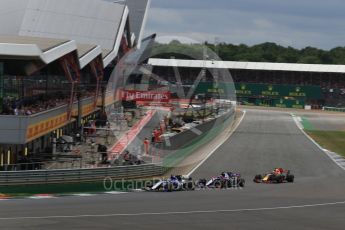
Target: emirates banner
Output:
[(149, 96)]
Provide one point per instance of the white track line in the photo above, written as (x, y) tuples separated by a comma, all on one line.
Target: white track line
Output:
[(331, 155), (83, 194), (115, 193), (39, 197), (176, 213), (210, 154)]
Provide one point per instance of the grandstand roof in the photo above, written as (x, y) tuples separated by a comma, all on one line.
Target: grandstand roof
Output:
[(42, 43), (93, 27), (47, 50), (248, 65)]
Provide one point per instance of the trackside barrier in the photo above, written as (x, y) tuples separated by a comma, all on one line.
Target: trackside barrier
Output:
[(334, 109), (79, 175), (187, 142)]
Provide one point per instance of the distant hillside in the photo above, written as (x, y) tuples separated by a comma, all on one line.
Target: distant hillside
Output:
[(265, 52)]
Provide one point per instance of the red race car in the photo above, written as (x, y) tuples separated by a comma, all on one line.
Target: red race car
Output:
[(278, 175)]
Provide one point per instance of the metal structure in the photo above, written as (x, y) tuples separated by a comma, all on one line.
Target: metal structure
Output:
[(247, 65), (73, 38)]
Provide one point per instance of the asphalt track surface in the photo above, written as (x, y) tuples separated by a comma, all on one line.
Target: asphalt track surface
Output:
[(264, 140)]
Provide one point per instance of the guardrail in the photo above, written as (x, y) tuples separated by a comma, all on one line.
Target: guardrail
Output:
[(334, 109), (79, 175)]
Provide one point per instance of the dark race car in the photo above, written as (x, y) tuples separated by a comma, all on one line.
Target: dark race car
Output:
[(224, 180), (278, 175), (174, 183)]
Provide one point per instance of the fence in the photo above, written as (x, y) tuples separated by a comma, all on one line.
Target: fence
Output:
[(79, 175), (334, 109)]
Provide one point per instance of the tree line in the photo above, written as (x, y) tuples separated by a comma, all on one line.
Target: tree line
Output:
[(265, 52)]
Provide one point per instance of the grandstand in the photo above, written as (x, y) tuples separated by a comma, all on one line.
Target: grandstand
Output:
[(55, 59), (268, 84)]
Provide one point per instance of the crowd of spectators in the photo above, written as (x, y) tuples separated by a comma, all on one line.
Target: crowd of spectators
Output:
[(33, 104), (37, 103), (329, 82), (332, 84)]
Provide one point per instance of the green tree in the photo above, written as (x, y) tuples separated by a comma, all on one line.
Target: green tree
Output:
[(265, 52)]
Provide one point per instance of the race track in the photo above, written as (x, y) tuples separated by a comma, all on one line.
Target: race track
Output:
[(264, 140)]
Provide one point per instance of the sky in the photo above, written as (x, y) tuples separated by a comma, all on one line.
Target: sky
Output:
[(296, 23)]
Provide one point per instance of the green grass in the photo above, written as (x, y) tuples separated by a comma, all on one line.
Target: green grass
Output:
[(25, 190), (331, 140), (307, 125)]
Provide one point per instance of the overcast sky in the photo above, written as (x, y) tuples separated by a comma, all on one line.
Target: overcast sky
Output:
[(296, 23)]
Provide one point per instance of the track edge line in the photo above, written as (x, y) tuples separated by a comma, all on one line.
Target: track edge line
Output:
[(217, 147), (326, 151)]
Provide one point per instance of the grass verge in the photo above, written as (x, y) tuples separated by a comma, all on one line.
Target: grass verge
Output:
[(331, 140)]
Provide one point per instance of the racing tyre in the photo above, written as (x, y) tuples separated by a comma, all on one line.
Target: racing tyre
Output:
[(189, 186), (241, 183), (257, 178), (218, 184), (230, 184), (175, 186), (201, 183), (290, 178), (279, 179), (168, 187)]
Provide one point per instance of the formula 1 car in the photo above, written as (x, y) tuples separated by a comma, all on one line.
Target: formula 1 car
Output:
[(224, 180), (174, 183), (278, 175)]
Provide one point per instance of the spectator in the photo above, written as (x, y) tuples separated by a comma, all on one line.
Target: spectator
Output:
[(146, 146), (157, 134), (126, 157)]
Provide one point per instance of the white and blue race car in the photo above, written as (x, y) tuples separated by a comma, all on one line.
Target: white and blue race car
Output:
[(174, 183), (224, 180)]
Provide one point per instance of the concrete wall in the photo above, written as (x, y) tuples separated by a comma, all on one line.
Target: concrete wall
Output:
[(179, 140), (13, 129), (182, 139)]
